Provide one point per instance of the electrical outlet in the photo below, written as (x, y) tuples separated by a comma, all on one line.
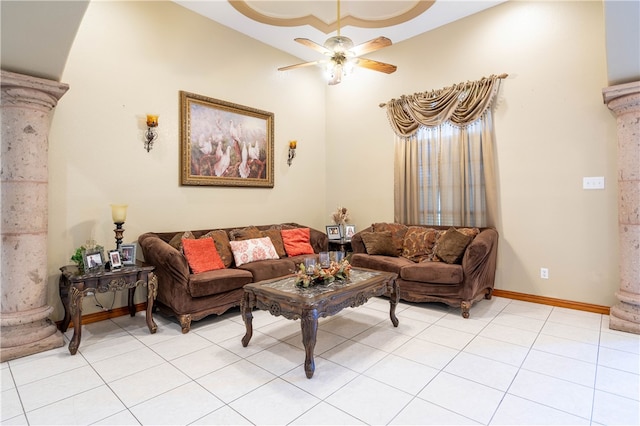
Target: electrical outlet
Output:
[(544, 273)]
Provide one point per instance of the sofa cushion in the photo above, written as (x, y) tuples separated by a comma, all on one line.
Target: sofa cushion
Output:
[(297, 241), (379, 263), (418, 243), (247, 233), (276, 239), (397, 233), (218, 281), (433, 272), (176, 241), (379, 243), (201, 255), (221, 240), (252, 250), (451, 245), (269, 269)]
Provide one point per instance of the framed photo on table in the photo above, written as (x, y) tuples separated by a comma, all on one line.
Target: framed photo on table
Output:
[(333, 232), (114, 258), (224, 144), (128, 254), (93, 260), (349, 231)]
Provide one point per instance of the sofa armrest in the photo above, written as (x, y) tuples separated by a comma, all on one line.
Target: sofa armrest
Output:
[(319, 240), (171, 265), (479, 261), (357, 245)]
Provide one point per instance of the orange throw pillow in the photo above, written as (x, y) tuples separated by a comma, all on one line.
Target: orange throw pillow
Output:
[(297, 241), (201, 255)]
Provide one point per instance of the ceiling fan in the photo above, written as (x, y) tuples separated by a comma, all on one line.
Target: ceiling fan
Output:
[(344, 55)]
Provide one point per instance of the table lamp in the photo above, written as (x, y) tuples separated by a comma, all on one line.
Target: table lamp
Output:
[(119, 215)]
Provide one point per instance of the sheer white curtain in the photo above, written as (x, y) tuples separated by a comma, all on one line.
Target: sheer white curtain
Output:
[(441, 175), (444, 167)]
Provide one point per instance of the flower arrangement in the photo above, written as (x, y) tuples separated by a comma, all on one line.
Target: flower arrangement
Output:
[(335, 271), (340, 216)]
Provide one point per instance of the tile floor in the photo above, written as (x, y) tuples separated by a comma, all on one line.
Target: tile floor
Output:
[(511, 363)]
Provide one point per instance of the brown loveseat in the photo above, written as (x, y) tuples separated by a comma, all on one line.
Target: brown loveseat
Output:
[(422, 275), (191, 297)]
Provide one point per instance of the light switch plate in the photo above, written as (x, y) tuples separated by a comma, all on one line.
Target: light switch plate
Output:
[(593, 182)]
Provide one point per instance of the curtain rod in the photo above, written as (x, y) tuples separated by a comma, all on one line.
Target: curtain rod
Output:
[(501, 76)]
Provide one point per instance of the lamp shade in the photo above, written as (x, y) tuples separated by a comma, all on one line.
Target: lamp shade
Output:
[(119, 212)]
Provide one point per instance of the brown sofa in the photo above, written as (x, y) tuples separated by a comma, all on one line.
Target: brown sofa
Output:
[(191, 297), (429, 279)]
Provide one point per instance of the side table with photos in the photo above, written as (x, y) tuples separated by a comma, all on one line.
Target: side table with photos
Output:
[(74, 285)]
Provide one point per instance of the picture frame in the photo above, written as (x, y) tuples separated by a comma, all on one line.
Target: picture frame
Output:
[(128, 254), (225, 144), (349, 231), (114, 258), (334, 232), (93, 260)]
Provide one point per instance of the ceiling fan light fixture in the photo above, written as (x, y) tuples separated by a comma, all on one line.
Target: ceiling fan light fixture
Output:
[(339, 44)]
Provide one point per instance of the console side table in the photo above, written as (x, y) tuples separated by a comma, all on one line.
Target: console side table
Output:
[(74, 286)]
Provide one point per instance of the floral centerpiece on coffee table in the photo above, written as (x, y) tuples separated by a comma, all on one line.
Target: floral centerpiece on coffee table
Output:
[(318, 275)]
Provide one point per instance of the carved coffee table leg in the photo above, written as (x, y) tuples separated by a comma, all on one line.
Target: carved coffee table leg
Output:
[(75, 306), (309, 324), (394, 298), (152, 289), (246, 304)]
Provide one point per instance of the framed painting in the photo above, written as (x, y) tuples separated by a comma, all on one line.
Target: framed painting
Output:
[(224, 144)]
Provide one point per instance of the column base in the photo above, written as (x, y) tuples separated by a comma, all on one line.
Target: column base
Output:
[(52, 341), (625, 317)]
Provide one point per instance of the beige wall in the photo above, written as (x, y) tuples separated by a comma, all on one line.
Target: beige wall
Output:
[(133, 58)]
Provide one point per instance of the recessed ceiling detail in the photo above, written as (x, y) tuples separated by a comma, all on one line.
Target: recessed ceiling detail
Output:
[(322, 15)]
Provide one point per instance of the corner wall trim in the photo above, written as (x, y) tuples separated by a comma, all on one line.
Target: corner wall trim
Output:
[(561, 303)]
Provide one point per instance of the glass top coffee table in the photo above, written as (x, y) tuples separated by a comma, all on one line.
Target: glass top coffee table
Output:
[(282, 297)]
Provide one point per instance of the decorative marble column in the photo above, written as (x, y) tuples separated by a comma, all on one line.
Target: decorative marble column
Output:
[(26, 107), (624, 101)]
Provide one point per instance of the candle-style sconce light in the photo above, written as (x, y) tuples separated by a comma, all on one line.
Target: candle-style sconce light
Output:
[(292, 151), (151, 134)]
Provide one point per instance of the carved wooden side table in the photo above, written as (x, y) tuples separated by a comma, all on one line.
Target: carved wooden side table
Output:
[(75, 285)]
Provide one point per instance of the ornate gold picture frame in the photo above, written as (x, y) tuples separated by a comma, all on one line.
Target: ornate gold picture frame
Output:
[(224, 144)]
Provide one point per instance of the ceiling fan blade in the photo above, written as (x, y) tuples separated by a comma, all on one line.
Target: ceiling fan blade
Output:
[(312, 44), (304, 64), (376, 66), (371, 45)]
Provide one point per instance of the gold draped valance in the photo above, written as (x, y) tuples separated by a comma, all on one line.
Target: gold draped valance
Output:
[(460, 104)]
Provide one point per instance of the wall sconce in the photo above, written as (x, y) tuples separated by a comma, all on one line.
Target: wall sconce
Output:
[(119, 215), (151, 134), (292, 151)]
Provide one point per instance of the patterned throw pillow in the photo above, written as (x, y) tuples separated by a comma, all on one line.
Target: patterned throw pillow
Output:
[(397, 233), (247, 251), (452, 245), (201, 255), (418, 243), (222, 245), (380, 243), (297, 241), (176, 241)]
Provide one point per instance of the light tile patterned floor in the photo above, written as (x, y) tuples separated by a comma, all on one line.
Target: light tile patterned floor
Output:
[(511, 363)]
